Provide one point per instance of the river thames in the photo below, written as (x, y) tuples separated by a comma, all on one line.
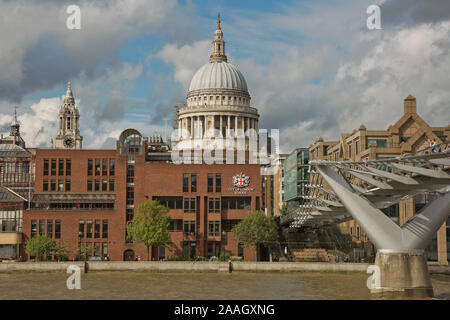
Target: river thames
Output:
[(197, 286)]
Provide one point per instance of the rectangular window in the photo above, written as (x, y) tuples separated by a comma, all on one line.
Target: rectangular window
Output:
[(57, 229), (170, 202), (227, 225), (357, 147), (162, 253), (60, 185), (89, 167), (45, 185), (67, 185), (33, 228), (97, 229), (218, 183), (111, 167), (97, 185), (105, 249), (193, 183), (111, 185), (104, 167), (53, 168), (210, 249), (349, 150), (130, 192), (130, 214), (81, 229), (240, 250), (176, 225), (89, 185), (214, 205), (45, 167), (104, 185), (105, 229), (97, 167), (380, 143), (96, 249), (50, 228), (214, 229), (61, 167), (189, 205), (189, 228), (53, 185), (68, 167), (185, 182), (239, 203), (41, 227), (89, 229), (210, 182), (130, 173)]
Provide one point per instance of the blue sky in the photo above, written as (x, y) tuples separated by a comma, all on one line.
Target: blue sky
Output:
[(312, 67)]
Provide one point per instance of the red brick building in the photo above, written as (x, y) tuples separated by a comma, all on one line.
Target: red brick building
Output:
[(87, 196)]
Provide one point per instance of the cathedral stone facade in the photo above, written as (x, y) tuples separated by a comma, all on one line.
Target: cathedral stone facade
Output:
[(69, 127), (218, 101)]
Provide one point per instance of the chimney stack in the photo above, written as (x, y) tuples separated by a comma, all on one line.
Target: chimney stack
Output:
[(410, 105)]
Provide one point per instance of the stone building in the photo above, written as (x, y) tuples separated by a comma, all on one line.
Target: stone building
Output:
[(69, 125), (218, 101), (409, 134)]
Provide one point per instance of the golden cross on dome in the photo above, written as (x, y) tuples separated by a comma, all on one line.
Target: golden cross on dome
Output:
[(218, 21)]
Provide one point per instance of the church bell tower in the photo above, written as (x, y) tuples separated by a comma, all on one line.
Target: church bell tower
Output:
[(69, 128)]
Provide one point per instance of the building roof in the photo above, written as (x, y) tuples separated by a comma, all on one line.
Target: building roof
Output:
[(11, 148), (218, 75), (7, 195)]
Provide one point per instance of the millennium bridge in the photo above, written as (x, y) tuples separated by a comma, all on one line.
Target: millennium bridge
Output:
[(342, 191)]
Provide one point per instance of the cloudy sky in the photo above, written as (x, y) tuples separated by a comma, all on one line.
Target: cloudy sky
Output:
[(312, 67)]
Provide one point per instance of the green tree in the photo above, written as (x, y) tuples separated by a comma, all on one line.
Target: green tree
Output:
[(40, 245), (284, 209), (83, 251), (256, 228), (149, 225), (61, 251)]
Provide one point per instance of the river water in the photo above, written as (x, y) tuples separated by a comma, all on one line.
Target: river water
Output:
[(186, 286)]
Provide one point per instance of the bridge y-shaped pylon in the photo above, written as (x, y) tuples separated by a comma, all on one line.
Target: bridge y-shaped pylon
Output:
[(340, 191)]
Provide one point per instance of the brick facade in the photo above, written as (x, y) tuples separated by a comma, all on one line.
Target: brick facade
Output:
[(151, 179)]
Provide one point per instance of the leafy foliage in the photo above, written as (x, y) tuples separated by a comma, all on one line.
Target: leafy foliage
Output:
[(149, 225), (256, 228), (39, 246), (83, 251), (61, 251), (284, 209)]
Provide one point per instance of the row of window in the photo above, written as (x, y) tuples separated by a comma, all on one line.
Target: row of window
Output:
[(56, 185), (50, 167), (89, 228), (210, 182), (53, 229), (103, 169), (106, 185), (74, 206), (189, 227), (215, 205), (94, 250)]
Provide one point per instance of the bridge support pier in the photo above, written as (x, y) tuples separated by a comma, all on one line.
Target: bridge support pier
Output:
[(403, 274)]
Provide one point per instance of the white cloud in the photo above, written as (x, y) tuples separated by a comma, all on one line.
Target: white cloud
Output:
[(186, 59)]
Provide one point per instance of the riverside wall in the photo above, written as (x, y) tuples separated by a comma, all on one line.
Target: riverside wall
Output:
[(188, 266)]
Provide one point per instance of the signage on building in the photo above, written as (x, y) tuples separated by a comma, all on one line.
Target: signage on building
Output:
[(241, 183)]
